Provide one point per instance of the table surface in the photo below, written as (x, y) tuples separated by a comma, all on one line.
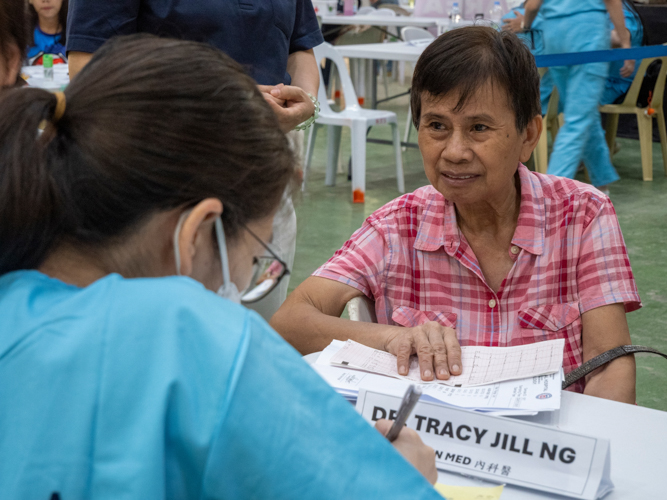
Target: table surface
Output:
[(35, 77), (376, 20), (395, 51), (638, 444)]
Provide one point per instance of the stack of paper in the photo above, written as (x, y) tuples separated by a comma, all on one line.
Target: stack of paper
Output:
[(488, 382)]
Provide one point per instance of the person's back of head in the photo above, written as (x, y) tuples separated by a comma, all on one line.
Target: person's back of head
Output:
[(13, 40), (150, 125)]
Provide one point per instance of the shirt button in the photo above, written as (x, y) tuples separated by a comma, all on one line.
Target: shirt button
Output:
[(492, 303), (515, 250)]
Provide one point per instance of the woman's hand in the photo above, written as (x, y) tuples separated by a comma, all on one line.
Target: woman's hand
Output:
[(514, 24), (436, 347), (296, 106), (409, 444)]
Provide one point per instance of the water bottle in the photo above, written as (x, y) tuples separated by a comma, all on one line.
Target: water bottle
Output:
[(496, 13), (456, 13), (47, 61), (348, 8)]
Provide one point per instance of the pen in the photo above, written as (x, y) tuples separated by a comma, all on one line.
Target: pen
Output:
[(410, 399)]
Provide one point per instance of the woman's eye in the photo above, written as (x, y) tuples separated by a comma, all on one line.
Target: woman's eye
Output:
[(480, 128)]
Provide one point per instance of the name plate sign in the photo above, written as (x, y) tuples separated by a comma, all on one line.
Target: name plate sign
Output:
[(501, 449)]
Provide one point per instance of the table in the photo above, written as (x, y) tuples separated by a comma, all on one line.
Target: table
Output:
[(638, 444), (35, 77), (379, 20)]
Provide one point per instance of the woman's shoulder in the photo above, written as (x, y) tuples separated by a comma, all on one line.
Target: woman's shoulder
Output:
[(426, 199)]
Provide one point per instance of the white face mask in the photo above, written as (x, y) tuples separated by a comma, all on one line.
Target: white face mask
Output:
[(228, 290)]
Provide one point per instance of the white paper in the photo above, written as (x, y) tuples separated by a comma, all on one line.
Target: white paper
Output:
[(514, 397), (481, 365)]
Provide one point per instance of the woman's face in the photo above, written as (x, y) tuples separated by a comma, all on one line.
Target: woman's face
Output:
[(470, 155), (47, 9)]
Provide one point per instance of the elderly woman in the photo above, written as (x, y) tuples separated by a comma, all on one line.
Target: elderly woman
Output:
[(490, 253)]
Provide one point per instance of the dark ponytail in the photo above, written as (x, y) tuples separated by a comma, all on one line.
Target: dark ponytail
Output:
[(30, 199), (150, 125)]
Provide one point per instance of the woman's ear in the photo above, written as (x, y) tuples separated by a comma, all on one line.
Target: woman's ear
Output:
[(533, 133), (198, 222)]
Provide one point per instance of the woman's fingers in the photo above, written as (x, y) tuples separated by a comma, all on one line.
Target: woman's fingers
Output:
[(403, 353), (425, 352), (436, 336), (453, 351)]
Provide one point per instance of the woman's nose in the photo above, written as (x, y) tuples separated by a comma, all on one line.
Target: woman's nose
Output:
[(457, 148)]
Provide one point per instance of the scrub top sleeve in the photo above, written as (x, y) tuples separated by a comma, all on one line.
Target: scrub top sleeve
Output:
[(307, 33), (90, 23), (286, 434)]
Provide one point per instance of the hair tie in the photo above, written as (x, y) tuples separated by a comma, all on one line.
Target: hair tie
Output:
[(60, 107)]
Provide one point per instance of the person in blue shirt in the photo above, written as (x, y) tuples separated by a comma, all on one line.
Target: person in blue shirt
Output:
[(581, 26), (123, 374), (49, 26)]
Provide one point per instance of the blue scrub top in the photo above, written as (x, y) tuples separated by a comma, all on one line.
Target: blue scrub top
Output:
[(260, 34), (562, 8), (158, 388)]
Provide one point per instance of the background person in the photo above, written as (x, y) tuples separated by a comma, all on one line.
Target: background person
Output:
[(122, 373), (581, 26), (489, 253), (48, 26), (273, 40)]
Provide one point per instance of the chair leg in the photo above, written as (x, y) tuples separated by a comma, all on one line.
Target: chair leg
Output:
[(540, 153), (400, 178), (385, 78), (645, 125), (309, 154), (359, 129), (611, 127), (663, 137), (408, 126), (333, 149)]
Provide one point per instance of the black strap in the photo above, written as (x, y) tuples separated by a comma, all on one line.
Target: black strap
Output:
[(604, 358)]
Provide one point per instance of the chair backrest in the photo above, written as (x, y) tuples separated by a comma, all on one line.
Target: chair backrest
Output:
[(362, 309), (328, 51), (366, 10), (410, 33), (385, 12), (658, 89), (400, 11)]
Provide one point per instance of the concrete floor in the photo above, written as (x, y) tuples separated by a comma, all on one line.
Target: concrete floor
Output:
[(327, 218)]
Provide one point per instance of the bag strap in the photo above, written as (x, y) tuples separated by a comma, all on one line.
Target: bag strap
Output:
[(604, 358)]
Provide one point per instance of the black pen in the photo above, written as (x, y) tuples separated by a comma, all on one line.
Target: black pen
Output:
[(410, 399)]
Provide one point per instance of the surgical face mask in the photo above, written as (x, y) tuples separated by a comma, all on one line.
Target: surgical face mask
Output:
[(228, 290)]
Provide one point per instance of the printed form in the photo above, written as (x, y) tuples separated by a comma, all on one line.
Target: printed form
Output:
[(481, 365)]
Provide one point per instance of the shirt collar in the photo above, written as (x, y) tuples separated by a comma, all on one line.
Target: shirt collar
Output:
[(438, 227)]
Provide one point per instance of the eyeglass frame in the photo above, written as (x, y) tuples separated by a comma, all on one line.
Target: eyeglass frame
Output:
[(255, 261)]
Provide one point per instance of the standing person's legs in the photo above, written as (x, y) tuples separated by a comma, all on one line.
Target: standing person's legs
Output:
[(580, 87)]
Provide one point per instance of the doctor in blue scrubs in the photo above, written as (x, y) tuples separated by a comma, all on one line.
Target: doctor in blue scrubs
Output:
[(579, 26), (123, 374)]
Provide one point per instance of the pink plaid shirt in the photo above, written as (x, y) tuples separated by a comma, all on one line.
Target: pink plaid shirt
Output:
[(569, 257)]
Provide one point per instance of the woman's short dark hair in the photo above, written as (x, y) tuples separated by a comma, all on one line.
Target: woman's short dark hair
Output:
[(13, 26), (150, 125), (465, 59)]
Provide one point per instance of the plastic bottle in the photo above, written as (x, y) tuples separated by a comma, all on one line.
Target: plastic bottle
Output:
[(348, 8), (47, 61), (496, 13), (456, 13)]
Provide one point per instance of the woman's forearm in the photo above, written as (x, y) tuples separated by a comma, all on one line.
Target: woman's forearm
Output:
[(302, 67), (615, 381), (309, 330), (615, 9)]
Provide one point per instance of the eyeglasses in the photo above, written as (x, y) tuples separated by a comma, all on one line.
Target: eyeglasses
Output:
[(267, 273)]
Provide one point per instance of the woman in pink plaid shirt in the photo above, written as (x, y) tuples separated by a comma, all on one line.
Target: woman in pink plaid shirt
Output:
[(489, 253)]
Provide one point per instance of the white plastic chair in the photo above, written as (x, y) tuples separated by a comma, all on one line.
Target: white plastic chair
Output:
[(366, 10), (383, 64), (409, 34), (358, 119)]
